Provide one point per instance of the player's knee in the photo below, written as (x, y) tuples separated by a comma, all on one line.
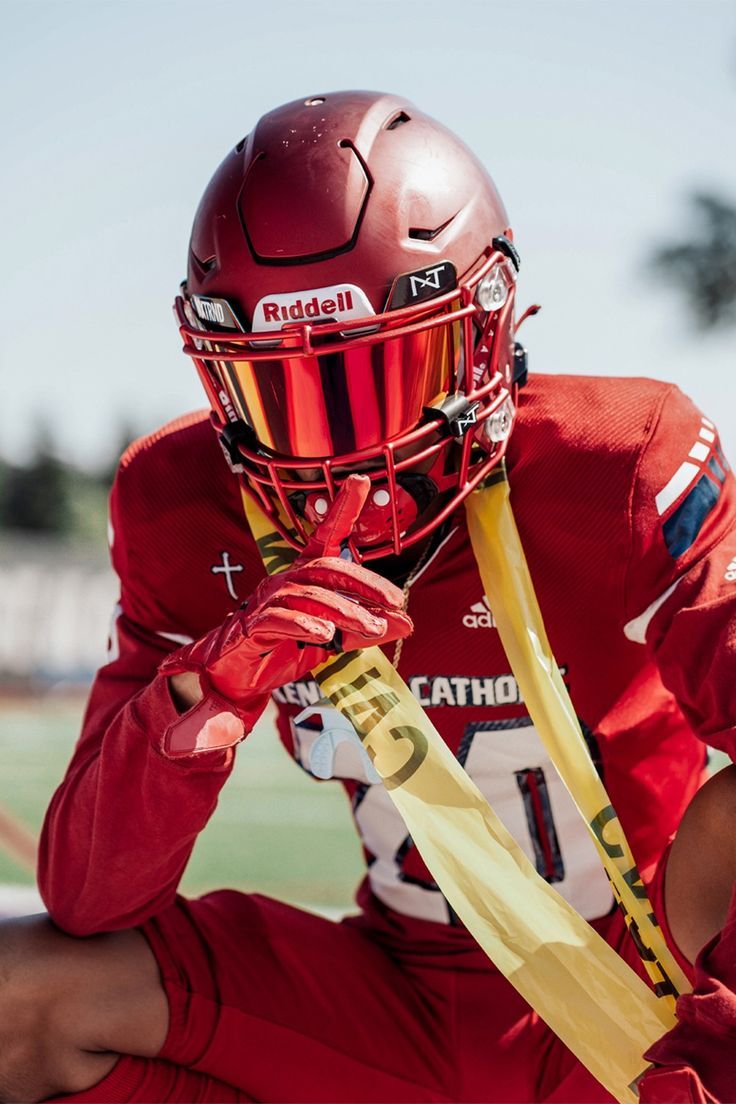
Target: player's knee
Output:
[(39, 1053)]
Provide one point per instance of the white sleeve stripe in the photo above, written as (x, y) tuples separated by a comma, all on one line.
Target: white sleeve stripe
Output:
[(176, 637), (636, 629), (699, 451), (682, 478)]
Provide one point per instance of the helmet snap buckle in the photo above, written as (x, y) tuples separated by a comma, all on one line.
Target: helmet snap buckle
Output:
[(458, 413)]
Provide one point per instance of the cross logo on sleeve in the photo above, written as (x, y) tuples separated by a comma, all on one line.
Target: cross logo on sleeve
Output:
[(228, 570)]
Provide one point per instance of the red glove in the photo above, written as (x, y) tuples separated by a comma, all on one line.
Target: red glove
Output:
[(321, 602)]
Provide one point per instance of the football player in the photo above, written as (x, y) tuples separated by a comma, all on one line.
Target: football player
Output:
[(349, 306)]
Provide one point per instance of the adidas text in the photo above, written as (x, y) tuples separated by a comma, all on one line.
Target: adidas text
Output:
[(480, 616)]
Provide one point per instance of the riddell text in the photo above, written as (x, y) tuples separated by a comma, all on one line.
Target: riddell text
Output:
[(313, 308)]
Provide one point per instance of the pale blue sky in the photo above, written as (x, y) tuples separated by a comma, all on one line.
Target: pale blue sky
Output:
[(594, 117)]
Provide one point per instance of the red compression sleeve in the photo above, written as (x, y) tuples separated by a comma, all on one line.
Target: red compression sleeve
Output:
[(121, 826)]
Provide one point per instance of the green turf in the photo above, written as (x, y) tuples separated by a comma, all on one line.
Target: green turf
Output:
[(275, 830)]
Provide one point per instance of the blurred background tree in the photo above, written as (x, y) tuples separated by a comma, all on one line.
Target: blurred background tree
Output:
[(35, 497), (124, 435), (49, 496), (703, 265)]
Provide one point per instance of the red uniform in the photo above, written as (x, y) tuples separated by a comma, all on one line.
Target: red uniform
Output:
[(626, 511)]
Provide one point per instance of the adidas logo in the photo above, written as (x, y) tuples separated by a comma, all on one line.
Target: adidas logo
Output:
[(480, 616)]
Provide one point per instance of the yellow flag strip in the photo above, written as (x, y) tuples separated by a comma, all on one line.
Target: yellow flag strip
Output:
[(510, 592), (574, 980)]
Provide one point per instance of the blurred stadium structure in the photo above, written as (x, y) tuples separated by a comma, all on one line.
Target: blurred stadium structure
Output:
[(56, 601)]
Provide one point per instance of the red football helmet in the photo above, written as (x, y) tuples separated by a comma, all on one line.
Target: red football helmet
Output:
[(349, 306)]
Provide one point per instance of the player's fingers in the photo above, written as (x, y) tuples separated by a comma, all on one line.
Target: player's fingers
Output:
[(346, 629), (339, 522), (398, 626), (278, 627), (350, 578), (326, 605), (275, 625)]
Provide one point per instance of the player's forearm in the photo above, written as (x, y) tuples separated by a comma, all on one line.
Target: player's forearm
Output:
[(121, 826)]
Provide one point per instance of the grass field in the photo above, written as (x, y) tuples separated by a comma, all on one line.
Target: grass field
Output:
[(275, 830)]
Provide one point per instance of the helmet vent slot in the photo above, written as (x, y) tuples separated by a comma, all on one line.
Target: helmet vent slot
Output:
[(240, 146), (397, 121), (206, 265), (420, 233)]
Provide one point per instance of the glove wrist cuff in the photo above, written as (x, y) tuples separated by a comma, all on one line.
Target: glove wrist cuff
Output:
[(212, 724)]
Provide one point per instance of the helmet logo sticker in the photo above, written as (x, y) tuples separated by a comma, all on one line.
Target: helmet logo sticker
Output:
[(217, 311), (424, 283), (429, 279), (337, 302), (464, 421), (227, 405)]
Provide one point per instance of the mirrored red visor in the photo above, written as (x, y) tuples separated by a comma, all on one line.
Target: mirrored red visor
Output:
[(331, 404)]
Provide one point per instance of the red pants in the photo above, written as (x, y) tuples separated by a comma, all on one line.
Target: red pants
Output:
[(269, 1003)]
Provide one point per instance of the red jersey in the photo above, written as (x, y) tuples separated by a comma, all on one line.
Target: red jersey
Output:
[(626, 510)]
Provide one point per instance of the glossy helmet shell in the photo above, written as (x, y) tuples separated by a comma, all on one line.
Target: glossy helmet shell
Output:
[(354, 190)]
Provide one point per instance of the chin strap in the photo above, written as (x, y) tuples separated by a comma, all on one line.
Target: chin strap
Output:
[(577, 983)]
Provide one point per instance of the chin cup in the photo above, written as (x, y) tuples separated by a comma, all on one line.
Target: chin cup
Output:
[(376, 517)]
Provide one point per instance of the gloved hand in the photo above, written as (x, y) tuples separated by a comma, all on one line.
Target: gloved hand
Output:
[(286, 629)]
